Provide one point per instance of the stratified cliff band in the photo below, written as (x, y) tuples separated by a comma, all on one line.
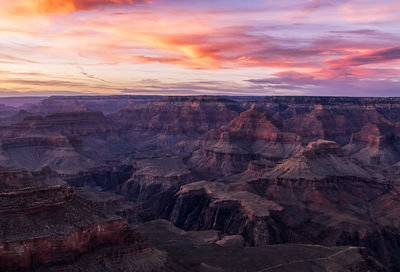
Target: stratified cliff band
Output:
[(147, 183)]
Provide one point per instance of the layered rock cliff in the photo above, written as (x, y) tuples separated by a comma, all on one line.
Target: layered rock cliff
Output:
[(212, 251), (319, 159), (314, 170), (375, 144), (161, 124), (250, 136), (50, 226)]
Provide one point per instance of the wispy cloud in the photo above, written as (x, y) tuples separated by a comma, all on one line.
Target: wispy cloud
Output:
[(256, 47), (83, 72), (23, 7), (391, 54)]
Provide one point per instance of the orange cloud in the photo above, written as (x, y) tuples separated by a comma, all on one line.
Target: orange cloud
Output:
[(62, 6), (147, 38)]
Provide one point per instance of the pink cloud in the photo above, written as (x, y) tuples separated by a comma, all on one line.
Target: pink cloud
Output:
[(370, 57), (63, 6)]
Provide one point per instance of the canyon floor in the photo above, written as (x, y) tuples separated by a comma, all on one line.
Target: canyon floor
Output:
[(204, 183)]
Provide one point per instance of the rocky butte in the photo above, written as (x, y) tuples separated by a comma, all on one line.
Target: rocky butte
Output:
[(200, 183)]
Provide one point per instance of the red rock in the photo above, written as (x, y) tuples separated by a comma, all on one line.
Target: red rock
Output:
[(251, 136), (52, 226), (173, 119), (373, 145)]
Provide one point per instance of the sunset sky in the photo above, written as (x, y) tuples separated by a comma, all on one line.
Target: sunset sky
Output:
[(179, 47)]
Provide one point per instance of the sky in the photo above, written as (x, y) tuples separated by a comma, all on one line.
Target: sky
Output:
[(191, 47)]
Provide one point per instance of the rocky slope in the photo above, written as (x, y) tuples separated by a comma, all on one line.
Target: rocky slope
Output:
[(6, 112), (211, 251), (152, 176), (161, 124), (331, 118), (374, 144), (318, 160), (50, 226), (332, 211), (57, 152), (269, 170), (107, 105), (79, 122), (318, 196), (68, 142), (250, 136)]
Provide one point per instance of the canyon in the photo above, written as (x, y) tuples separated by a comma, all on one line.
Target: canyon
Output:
[(200, 183)]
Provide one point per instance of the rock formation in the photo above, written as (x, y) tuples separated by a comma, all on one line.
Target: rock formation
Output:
[(212, 251), (257, 172), (50, 227), (161, 124), (250, 136), (319, 159), (374, 145)]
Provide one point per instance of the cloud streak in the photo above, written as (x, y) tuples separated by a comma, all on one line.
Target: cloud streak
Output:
[(24, 7), (300, 48), (391, 54)]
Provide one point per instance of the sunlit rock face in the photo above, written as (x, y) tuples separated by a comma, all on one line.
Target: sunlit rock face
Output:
[(250, 136)]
